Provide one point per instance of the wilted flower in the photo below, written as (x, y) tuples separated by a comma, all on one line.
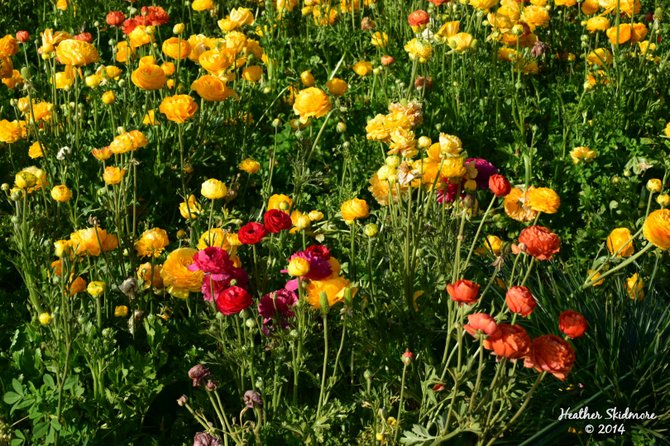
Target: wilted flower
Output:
[(252, 399), (205, 438), (197, 373)]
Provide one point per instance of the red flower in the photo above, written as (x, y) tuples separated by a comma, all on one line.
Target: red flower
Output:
[(418, 18), (22, 36), (480, 322), (130, 24), (540, 242), (438, 2), (155, 15), (387, 60), (407, 357), (463, 291), (553, 354), (520, 300), (499, 185), (572, 324), (233, 300), (508, 341), (115, 18), (85, 37), (276, 221), (251, 233), (321, 251)]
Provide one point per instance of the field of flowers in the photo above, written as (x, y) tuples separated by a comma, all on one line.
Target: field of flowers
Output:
[(374, 222)]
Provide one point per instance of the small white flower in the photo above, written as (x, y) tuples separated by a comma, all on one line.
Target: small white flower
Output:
[(63, 152)]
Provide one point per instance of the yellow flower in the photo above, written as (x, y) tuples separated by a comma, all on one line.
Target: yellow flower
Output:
[(281, 202), (656, 228), (127, 142), (11, 132), (620, 243), (666, 131), (590, 7), (250, 166), (337, 86), (108, 97), (542, 199), (177, 278), (102, 154), (152, 242), (635, 287), (252, 73), (76, 53), (211, 88), (45, 318), (96, 288), (139, 37), (216, 61), (598, 23), (149, 77), (334, 289), (145, 272), (516, 207), (14, 80), (213, 189), (461, 42), (178, 108), (50, 39), (190, 209), (493, 244), (594, 275), (120, 311), (419, 50), (93, 80), (113, 175), (176, 48), (579, 154), (362, 68), (8, 46), (124, 52), (30, 179), (447, 30), (298, 267), (307, 79), (654, 185), (61, 193), (534, 16), (202, 5), (600, 57), (61, 5), (219, 238), (354, 209), (380, 39), (62, 248), (483, 4), (63, 80), (311, 103), (150, 118), (663, 200), (93, 241)]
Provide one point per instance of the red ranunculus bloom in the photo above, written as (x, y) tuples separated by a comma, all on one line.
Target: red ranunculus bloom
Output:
[(499, 185), (115, 18), (130, 24), (22, 36), (572, 323), (233, 300), (520, 300), (86, 37), (276, 221), (251, 233), (463, 291), (438, 2), (155, 15), (480, 322), (551, 353), (509, 341), (540, 242)]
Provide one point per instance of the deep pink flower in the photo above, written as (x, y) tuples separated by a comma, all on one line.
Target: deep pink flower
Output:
[(212, 260)]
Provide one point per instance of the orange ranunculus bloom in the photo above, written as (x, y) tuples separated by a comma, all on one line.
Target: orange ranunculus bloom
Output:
[(149, 77), (508, 341), (177, 278), (354, 209), (540, 242), (542, 199), (463, 291), (516, 206), (216, 61), (178, 108), (6, 67), (11, 132), (93, 241), (211, 88), (656, 228), (620, 243), (124, 52), (144, 273), (113, 175), (8, 46), (628, 7), (76, 53), (77, 286), (520, 300), (551, 353), (311, 103), (176, 48), (480, 322), (127, 142), (152, 242), (334, 287)]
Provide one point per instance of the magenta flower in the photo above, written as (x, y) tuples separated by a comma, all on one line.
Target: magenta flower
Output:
[(212, 260)]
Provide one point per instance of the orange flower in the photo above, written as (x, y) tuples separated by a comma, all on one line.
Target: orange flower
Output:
[(144, 273), (572, 324), (311, 103), (516, 206), (178, 279), (176, 48), (149, 77), (8, 46), (463, 291), (542, 199), (178, 108), (354, 209), (656, 228), (113, 175), (480, 322), (540, 242), (620, 243), (152, 242), (508, 341), (334, 288), (520, 300), (92, 241), (551, 353), (211, 88), (77, 286)]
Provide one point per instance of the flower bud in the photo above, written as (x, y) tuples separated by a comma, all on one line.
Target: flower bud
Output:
[(371, 230), (654, 185), (407, 358)]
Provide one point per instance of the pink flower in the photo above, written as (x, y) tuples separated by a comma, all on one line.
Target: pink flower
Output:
[(212, 260)]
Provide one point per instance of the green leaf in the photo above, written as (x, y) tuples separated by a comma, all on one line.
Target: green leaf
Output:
[(11, 397), (49, 381)]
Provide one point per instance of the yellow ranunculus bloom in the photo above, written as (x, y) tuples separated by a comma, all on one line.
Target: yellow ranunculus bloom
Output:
[(202, 5), (620, 243), (543, 199), (656, 228), (120, 311), (76, 53), (298, 267), (61, 193), (461, 42), (337, 86), (354, 209), (311, 103), (250, 166), (152, 242), (213, 189), (113, 175), (594, 275), (635, 287), (11, 132), (96, 288), (281, 202), (190, 209), (579, 154), (177, 278), (176, 48), (93, 241)]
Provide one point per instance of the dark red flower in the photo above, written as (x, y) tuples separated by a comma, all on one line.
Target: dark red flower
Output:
[(233, 300), (276, 221), (321, 251), (115, 18), (251, 233)]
